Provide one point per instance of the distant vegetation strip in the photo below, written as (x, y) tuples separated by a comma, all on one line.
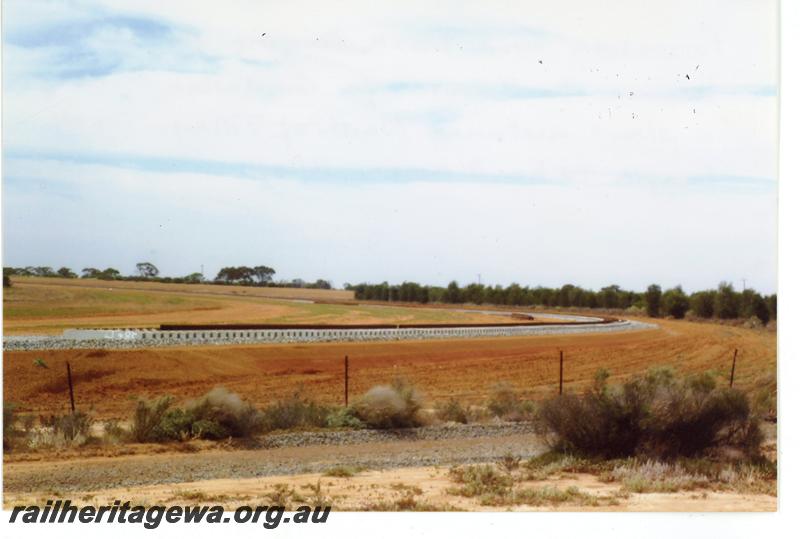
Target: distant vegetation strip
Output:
[(145, 271), (722, 303)]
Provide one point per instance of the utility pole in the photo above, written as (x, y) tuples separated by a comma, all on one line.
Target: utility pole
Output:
[(744, 284), (203, 271), (479, 279)]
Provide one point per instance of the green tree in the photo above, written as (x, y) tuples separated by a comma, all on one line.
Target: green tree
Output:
[(652, 299), (702, 303), (726, 302), (66, 273), (675, 303)]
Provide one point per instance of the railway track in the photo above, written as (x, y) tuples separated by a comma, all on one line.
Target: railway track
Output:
[(232, 334)]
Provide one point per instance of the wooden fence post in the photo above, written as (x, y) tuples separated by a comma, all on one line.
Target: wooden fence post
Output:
[(346, 379), (71, 393), (733, 367)]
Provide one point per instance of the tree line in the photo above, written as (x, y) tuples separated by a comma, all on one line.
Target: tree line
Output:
[(723, 302), (147, 271)]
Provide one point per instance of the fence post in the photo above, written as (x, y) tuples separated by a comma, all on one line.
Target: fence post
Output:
[(560, 372), (733, 367), (71, 394), (346, 379)]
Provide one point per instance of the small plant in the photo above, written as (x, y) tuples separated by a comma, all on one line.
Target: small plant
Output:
[(147, 419), (388, 407), (509, 462), (113, 432), (343, 471), (70, 427), (294, 412), (281, 495), (452, 411), (505, 403), (343, 418), (480, 480)]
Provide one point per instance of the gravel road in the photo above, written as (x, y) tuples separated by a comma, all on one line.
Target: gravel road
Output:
[(284, 454)]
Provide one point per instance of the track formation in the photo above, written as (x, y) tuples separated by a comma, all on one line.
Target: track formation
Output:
[(174, 335)]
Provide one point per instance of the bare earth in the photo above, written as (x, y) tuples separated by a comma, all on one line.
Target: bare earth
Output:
[(386, 472)]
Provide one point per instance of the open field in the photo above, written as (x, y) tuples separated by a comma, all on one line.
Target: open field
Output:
[(48, 306), (107, 380)]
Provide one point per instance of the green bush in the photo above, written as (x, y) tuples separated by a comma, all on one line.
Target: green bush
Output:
[(655, 415), (452, 411), (294, 412), (233, 416), (388, 407), (216, 415), (343, 418), (505, 403), (147, 419)]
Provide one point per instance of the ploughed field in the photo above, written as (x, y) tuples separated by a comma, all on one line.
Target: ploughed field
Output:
[(106, 381), (35, 305)]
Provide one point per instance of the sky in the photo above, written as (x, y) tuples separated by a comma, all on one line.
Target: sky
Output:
[(535, 142)]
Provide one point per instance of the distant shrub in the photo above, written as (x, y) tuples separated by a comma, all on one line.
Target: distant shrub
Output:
[(216, 415), (394, 406), (113, 432), (452, 411), (70, 427), (147, 418), (655, 415), (6, 281), (294, 412), (232, 416), (505, 403), (343, 418)]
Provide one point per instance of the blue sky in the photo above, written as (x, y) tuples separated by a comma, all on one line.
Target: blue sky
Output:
[(529, 142)]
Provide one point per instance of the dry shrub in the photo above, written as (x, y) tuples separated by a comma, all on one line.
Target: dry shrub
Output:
[(216, 415), (505, 403), (452, 411), (221, 414), (655, 415), (296, 411), (389, 407)]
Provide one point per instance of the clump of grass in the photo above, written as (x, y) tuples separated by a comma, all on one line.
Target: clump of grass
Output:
[(553, 463), (509, 462), (343, 471), (113, 433), (409, 489), (495, 488), (69, 430), (342, 417), (281, 495), (480, 480), (505, 403), (656, 415), (389, 407), (550, 495), (317, 497), (407, 503), (452, 411), (691, 474), (294, 412)]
